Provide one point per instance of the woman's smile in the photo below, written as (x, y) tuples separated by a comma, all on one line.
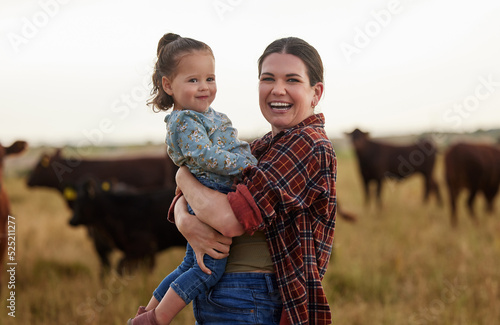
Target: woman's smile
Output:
[(280, 106)]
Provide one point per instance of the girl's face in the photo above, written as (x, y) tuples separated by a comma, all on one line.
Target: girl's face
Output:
[(286, 97), (193, 86)]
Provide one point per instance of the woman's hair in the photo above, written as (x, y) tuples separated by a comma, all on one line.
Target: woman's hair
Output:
[(171, 49), (302, 50)]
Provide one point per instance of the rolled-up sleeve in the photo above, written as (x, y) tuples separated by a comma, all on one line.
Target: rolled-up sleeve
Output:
[(245, 209)]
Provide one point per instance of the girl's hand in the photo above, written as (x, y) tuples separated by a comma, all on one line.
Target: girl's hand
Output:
[(202, 238)]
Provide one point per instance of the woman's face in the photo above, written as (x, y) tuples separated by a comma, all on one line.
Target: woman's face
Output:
[(286, 97)]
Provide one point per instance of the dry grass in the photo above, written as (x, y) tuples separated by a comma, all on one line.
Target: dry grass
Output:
[(401, 265)]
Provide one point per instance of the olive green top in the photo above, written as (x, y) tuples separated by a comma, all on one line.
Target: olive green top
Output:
[(249, 254)]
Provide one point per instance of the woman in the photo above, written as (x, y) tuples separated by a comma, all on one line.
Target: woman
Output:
[(285, 206)]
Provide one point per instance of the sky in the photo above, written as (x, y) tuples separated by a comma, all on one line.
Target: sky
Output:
[(78, 72)]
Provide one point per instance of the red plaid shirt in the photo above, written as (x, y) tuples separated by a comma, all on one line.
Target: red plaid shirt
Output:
[(291, 194)]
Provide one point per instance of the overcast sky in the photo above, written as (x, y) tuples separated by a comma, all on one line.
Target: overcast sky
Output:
[(75, 71)]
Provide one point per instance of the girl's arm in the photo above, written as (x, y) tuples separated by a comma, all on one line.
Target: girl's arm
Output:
[(210, 206), (202, 238)]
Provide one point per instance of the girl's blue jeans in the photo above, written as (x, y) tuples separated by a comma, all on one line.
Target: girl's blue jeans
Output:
[(188, 280)]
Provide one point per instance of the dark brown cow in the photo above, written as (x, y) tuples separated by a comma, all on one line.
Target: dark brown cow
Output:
[(378, 161), (143, 172), (476, 168), (57, 172), (16, 147), (136, 220)]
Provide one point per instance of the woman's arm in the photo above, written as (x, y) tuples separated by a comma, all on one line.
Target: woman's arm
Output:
[(202, 238), (210, 206)]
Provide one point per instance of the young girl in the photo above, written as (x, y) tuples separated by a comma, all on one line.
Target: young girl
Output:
[(201, 139)]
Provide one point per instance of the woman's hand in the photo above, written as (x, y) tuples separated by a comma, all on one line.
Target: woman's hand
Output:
[(202, 238)]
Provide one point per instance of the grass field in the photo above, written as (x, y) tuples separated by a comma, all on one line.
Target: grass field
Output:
[(402, 264)]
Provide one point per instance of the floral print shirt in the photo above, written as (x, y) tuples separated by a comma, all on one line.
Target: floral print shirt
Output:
[(208, 144)]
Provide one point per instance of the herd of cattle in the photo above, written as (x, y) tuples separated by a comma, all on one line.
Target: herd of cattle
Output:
[(123, 202), (468, 166)]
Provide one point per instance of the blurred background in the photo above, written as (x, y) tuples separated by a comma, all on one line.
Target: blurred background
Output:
[(78, 72)]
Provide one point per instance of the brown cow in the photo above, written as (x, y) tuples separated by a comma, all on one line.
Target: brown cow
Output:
[(475, 167), (16, 147), (379, 160), (135, 220), (144, 172)]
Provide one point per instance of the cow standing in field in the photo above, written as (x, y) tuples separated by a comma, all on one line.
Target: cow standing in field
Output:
[(475, 167), (142, 172), (378, 161), (7, 227), (136, 220), (58, 172)]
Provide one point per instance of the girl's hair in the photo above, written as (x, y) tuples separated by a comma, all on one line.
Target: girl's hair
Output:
[(302, 50), (171, 49)]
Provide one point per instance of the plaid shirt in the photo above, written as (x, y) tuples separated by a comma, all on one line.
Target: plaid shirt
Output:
[(291, 194)]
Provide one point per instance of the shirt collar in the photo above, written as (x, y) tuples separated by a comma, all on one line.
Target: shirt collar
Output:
[(260, 145), (316, 120)]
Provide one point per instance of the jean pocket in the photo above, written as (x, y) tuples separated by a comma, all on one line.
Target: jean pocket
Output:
[(236, 300)]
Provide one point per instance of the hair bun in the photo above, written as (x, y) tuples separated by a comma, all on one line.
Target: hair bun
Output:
[(166, 39)]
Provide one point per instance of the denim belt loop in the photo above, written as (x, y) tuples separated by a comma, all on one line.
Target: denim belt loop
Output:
[(271, 282)]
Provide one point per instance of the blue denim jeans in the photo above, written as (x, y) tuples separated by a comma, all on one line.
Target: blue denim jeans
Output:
[(188, 280), (240, 298)]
